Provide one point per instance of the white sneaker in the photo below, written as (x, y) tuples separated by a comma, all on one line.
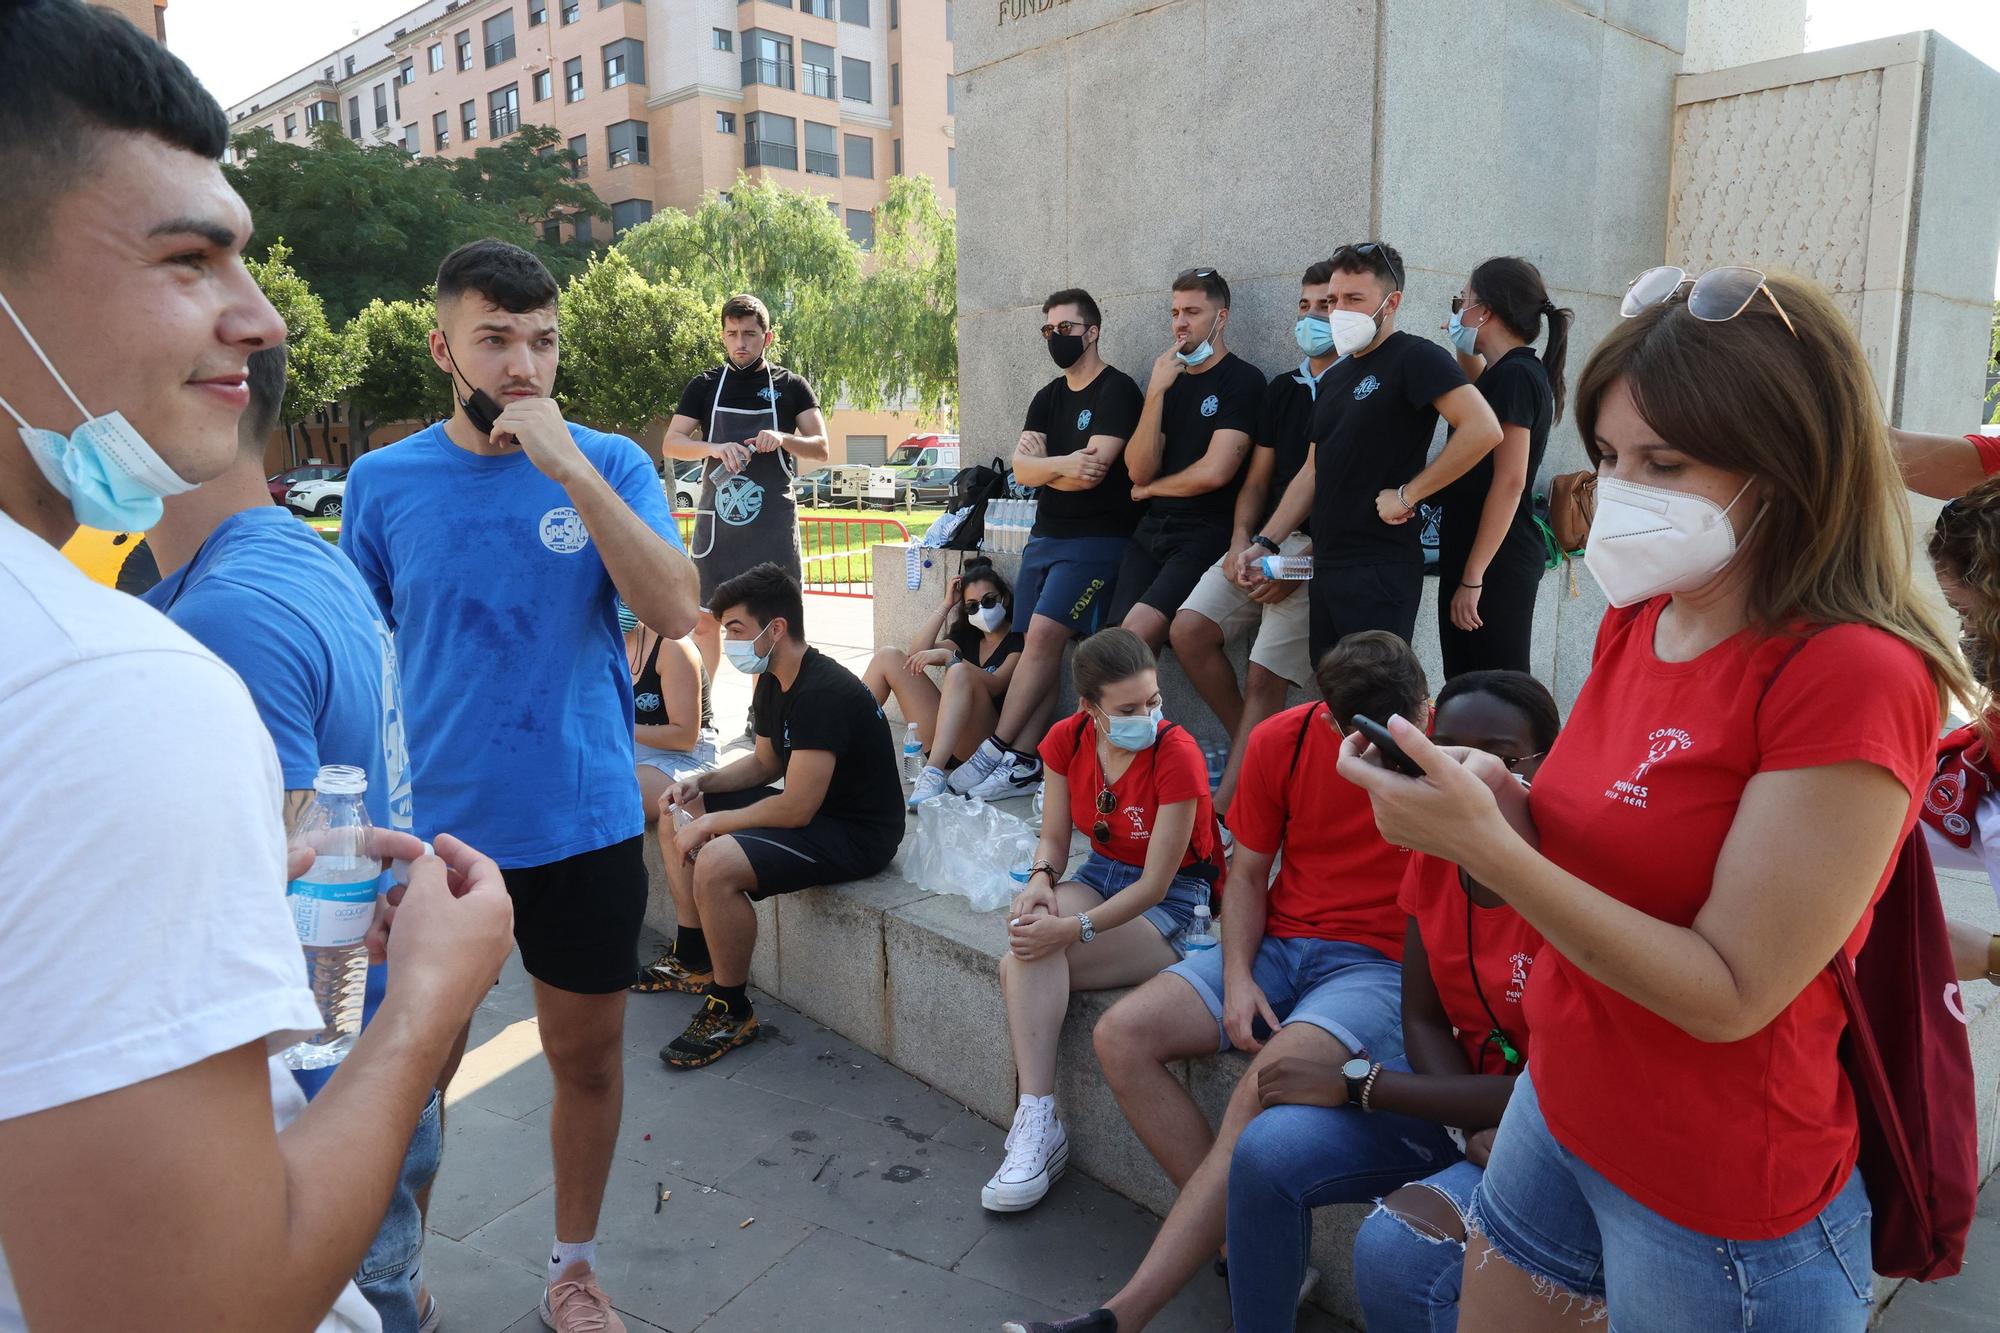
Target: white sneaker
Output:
[(930, 783), (1018, 777), (1037, 1156), (973, 771)]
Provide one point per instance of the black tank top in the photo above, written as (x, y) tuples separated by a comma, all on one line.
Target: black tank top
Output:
[(649, 701)]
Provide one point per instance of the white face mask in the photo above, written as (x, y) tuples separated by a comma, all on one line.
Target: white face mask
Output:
[(1353, 330), (988, 618), (1645, 541)]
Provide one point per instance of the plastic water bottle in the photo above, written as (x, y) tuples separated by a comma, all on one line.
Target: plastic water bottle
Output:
[(1293, 567), (332, 907), (913, 756), (1200, 934)]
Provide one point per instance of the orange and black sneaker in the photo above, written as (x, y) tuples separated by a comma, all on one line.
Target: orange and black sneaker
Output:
[(713, 1032), (669, 973)]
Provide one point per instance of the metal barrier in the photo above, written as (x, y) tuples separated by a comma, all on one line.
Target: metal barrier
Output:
[(837, 554)]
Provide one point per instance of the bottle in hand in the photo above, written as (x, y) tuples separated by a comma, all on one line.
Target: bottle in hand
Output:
[(1290, 567), (332, 906)]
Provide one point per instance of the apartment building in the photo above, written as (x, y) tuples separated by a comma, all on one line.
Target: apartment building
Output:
[(662, 101), (148, 16)]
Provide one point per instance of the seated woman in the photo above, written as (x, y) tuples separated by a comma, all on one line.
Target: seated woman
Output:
[(673, 728), (1137, 787), (1345, 1135), (978, 653)]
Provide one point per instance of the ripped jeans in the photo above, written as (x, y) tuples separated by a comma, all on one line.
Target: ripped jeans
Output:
[(1293, 1159), (1408, 1281)]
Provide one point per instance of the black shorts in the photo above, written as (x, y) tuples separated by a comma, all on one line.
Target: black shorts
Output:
[(825, 851), (1164, 561), (577, 920), (1347, 599)]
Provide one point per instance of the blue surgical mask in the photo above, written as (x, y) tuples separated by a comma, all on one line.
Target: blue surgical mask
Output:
[(1207, 348), (1314, 334), (1133, 733), (627, 620), (111, 477), (743, 654), (1463, 336)]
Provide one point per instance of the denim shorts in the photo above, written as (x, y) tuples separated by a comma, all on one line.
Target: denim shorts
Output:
[(1347, 989), (1170, 916), (390, 1272), (1553, 1216)]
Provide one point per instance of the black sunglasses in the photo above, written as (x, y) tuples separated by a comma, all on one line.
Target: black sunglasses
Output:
[(988, 602), (1064, 327), (1107, 801), (1192, 273), (1459, 305), (1368, 249)]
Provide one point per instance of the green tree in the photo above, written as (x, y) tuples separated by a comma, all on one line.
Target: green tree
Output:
[(909, 305), (629, 345), (1993, 365), (398, 379), (323, 363)]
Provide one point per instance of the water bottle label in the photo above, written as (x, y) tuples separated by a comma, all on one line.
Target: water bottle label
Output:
[(331, 916)]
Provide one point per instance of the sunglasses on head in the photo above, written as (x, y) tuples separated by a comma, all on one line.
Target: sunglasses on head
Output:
[(1372, 250), (1063, 326), (1461, 304), (1716, 297), (1107, 801), (987, 603)]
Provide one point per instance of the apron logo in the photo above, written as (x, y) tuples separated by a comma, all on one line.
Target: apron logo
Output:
[(1083, 419), (1210, 405), (647, 702), (563, 531), (738, 500)]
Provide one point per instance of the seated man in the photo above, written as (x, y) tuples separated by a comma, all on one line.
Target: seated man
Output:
[(838, 818), (1310, 966)]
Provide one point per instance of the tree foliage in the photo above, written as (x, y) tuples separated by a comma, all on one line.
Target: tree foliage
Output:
[(629, 346), (909, 304), (323, 362), (398, 379)]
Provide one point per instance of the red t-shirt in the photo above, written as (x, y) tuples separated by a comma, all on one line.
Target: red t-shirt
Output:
[(1173, 769), (1748, 1139), (1338, 878), (1501, 953)]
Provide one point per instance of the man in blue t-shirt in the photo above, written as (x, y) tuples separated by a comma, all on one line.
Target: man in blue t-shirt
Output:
[(498, 544), (287, 612)]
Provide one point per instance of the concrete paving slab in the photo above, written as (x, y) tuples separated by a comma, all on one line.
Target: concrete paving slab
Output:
[(823, 1067), (491, 1164), (476, 1290)]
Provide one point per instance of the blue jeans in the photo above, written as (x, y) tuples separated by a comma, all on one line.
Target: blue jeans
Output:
[(392, 1270), (1170, 916), (1407, 1281), (1553, 1216), (1346, 989), (1293, 1159)]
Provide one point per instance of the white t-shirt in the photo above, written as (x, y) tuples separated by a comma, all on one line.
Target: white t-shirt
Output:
[(1984, 854), (142, 857)]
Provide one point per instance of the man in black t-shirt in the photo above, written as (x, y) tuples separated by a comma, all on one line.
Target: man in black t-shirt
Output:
[(1072, 450), (1364, 473), (1186, 457), (839, 816), (742, 419)]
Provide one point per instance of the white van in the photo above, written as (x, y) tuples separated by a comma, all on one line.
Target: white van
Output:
[(926, 451)]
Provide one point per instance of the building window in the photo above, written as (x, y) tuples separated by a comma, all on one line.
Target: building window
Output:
[(441, 130), (505, 104), (354, 118), (499, 34), (770, 141), (545, 84), (860, 156), (896, 153), (822, 159), (464, 41), (291, 124), (859, 76), (437, 57), (895, 85), (951, 167), (319, 111), (538, 13), (627, 143), (348, 65), (573, 79), (895, 13), (724, 39), (406, 73), (725, 122), (327, 73), (821, 9), (816, 69), (629, 212), (571, 12), (381, 106), (855, 12), (468, 120), (767, 58), (950, 95), (580, 147), (624, 62), (861, 228), (949, 20), (552, 232), (583, 223), (410, 144)]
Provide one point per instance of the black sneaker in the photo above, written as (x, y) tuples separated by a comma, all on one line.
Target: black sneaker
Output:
[(669, 973), (712, 1033), (1097, 1321)]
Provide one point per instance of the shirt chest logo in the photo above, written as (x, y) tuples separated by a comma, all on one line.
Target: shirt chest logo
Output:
[(562, 531), (768, 394), (1083, 419), (647, 703), (1210, 405), (1661, 744), (1137, 818), (1368, 385)]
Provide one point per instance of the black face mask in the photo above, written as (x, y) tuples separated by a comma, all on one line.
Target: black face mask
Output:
[(480, 409), (1065, 349)]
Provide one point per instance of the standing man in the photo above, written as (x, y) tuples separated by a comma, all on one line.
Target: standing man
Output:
[(1072, 449), (498, 544), (158, 1165), (1373, 418), (1186, 458), (741, 419), (289, 615), (1272, 608)]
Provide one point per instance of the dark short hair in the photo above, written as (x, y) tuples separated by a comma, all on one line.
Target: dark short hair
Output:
[(745, 306), (1107, 657), (1519, 691), (267, 395), (68, 73), (500, 271), (767, 592), (1372, 673), (1317, 274), (1209, 282), (1079, 298), (1377, 257)]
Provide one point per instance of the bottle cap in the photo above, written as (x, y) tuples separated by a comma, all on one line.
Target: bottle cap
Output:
[(340, 780)]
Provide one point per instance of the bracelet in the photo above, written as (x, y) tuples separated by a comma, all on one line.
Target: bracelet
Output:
[(1368, 1086), (1040, 868), (1463, 584), (1404, 500)]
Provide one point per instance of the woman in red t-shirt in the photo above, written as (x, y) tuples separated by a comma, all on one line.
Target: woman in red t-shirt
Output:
[(1137, 788), (1715, 824)]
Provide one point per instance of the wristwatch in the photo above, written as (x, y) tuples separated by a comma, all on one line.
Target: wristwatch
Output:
[(1086, 932), (1355, 1073), (1261, 540)]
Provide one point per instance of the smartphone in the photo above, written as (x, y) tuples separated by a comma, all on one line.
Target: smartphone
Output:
[(1385, 745)]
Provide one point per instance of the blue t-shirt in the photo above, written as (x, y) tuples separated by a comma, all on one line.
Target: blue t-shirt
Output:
[(514, 668), (290, 616)]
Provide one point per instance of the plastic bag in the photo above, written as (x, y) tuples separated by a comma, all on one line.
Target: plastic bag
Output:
[(969, 848)]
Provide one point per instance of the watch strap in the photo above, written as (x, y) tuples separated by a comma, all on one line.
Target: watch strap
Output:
[(1261, 540), (1086, 932)]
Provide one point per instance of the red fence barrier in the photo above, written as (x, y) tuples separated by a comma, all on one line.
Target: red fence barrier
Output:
[(837, 553)]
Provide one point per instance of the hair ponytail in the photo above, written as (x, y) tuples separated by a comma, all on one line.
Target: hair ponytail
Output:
[(1557, 351), (1513, 291)]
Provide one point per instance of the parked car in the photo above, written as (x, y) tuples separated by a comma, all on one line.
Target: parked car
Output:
[(320, 498), (813, 488), (928, 487), (282, 483), (685, 492)]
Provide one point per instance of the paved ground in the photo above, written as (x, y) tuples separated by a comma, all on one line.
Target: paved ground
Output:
[(1968, 1303)]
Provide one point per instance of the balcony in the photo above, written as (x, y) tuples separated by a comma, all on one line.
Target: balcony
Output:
[(822, 164), (500, 52), (764, 153), (505, 123), (817, 82), (770, 73)]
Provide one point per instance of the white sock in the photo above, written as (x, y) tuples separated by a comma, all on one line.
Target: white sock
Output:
[(1047, 1103), (565, 1252), (989, 756)]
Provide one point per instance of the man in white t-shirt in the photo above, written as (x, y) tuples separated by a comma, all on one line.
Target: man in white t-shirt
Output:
[(158, 1169)]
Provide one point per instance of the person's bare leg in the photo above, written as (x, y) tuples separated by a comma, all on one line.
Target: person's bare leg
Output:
[(1198, 644), (708, 641), (1163, 1020), (1149, 623), (1031, 692), (680, 875), (653, 785), (1264, 697), (1495, 1295), (583, 1037), (889, 673), (722, 884), (965, 714), (875, 675), (1194, 1228)]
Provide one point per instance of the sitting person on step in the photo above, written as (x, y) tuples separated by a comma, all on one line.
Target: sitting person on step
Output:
[(977, 649), (1138, 789)]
